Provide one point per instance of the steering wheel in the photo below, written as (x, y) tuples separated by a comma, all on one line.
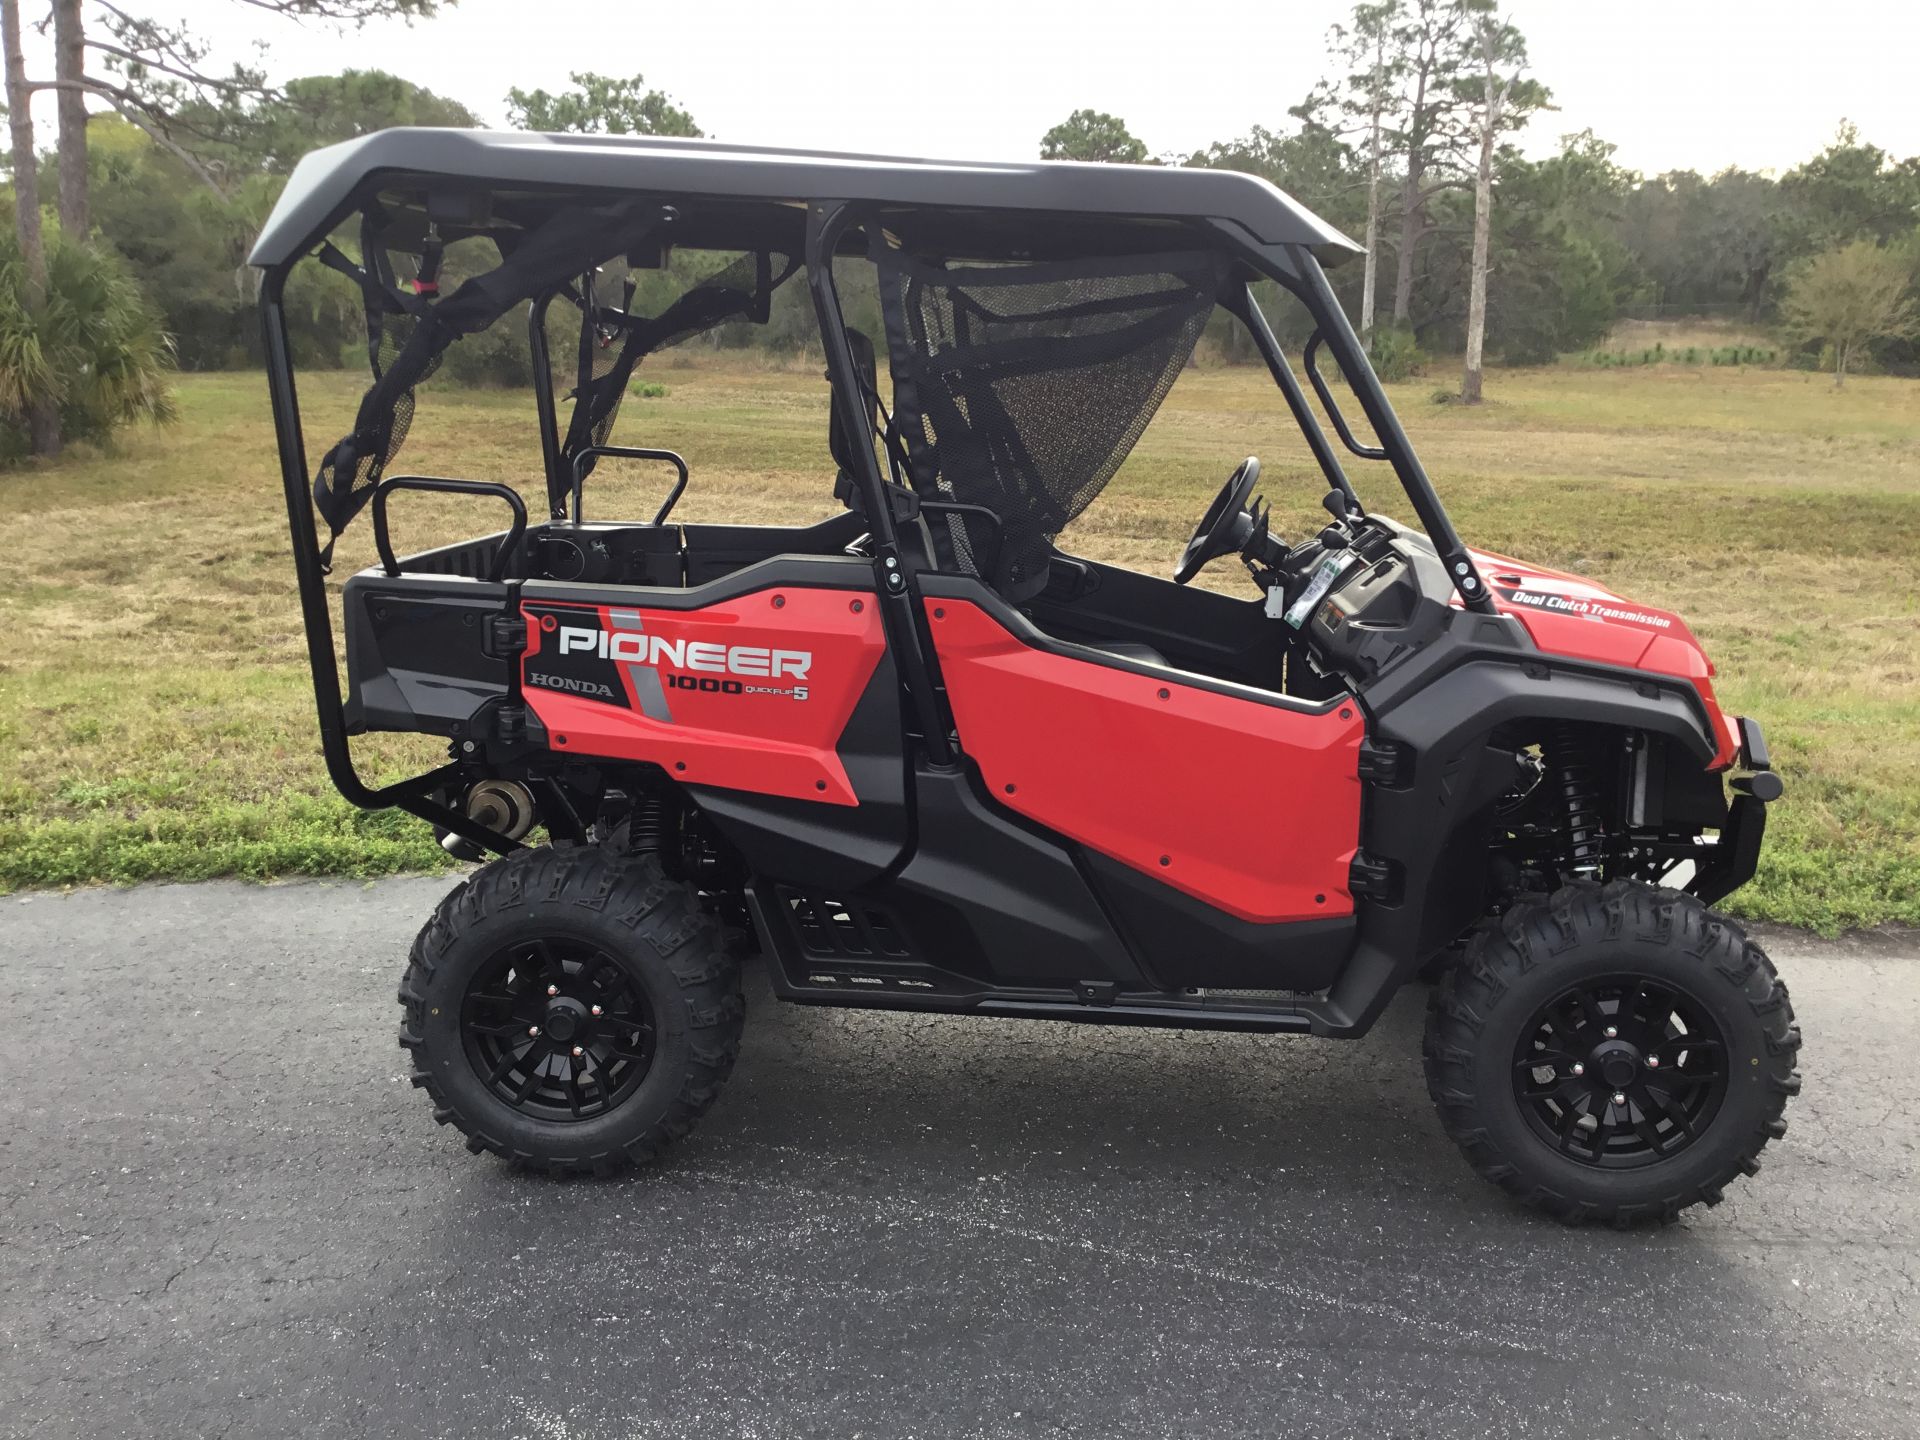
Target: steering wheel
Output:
[(1226, 525)]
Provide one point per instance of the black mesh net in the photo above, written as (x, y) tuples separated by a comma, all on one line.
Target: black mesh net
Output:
[(410, 325), (349, 472), (613, 339), (1022, 388)]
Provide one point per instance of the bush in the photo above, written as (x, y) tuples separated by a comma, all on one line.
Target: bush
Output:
[(498, 356), (1396, 355), (1534, 348), (98, 348)]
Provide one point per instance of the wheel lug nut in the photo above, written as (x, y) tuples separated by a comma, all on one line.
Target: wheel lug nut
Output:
[(1653, 1062), (598, 1011), (1578, 1068), (578, 1052), (555, 990), (1611, 1031), (533, 1029), (1619, 1098)]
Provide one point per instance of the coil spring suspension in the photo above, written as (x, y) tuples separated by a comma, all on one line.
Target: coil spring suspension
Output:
[(1570, 774), (647, 830)]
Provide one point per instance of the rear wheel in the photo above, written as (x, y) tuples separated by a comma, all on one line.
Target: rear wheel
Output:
[(572, 1010), (1612, 1053)]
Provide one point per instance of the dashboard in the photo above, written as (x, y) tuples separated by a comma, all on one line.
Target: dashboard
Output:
[(1390, 600)]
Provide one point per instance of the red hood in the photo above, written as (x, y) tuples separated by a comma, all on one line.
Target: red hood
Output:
[(1571, 616)]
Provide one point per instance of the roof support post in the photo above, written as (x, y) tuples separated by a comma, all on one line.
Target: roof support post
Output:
[(1351, 356), (557, 479), (410, 795), (1247, 310), (896, 582)]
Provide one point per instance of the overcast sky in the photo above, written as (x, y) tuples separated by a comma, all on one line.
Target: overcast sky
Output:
[(1697, 84)]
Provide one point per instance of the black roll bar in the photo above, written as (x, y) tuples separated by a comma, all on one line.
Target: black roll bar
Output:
[(412, 794), (1296, 270), (509, 543), (1247, 310), (543, 405), (827, 221), (630, 452), (1351, 356)]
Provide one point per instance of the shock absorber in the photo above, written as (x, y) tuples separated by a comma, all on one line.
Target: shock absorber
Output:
[(1571, 778), (647, 831)]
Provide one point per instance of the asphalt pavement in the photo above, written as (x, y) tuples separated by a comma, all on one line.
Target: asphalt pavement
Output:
[(226, 1213)]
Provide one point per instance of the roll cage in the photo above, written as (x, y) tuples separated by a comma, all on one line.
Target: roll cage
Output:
[(435, 187)]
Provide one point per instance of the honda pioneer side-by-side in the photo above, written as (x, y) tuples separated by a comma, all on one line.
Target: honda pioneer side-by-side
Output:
[(917, 756)]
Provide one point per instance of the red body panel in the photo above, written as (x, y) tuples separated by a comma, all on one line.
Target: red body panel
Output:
[(1567, 615), (716, 696), (1251, 807)]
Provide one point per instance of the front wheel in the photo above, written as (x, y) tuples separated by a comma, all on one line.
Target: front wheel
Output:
[(572, 1010), (1612, 1053)]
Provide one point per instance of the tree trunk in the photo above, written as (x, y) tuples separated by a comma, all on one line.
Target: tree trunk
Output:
[(1410, 199), (1409, 237), (1840, 348), (1369, 276), (1477, 291), (43, 415), (70, 63), (1470, 375), (1372, 260), (1756, 290)]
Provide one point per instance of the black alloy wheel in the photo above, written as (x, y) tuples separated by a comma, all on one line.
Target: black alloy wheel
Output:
[(558, 1029), (1612, 1052), (1620, 1071), (573, 1010)]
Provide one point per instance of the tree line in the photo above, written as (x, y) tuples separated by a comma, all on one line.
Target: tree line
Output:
[(1409, 143), (1473, 248)]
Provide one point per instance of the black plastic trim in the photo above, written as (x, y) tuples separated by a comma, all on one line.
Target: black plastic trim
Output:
[(1186, 943), (1732, 861), (794, 572)]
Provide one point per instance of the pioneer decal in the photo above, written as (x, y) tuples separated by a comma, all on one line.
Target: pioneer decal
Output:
[(1582, 606), (657, 650), (615, 656)]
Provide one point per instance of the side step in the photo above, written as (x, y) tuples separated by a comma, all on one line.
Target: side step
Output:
[(826, 951)]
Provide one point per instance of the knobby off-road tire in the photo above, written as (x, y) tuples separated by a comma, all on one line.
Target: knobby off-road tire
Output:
[(1484, 1028), (562, 917)]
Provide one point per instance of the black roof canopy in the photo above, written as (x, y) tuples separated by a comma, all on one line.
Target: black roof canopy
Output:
[(509, 174)]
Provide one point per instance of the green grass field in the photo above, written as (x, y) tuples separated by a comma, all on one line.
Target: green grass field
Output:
[(157, 721)]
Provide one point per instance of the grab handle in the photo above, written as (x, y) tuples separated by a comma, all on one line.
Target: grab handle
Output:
[(458, 487), (1365, 452), (628, 452)]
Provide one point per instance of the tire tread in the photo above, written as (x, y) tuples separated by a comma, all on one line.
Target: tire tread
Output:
[(1504, 949), (673, 931)]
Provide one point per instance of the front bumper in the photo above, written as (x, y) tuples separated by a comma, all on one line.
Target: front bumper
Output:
[(1730, 863)]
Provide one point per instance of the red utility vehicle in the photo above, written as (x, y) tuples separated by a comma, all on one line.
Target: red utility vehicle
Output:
[(918, 756)]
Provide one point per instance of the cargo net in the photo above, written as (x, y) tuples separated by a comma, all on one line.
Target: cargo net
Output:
[(615, 338), (1021, 389), (410, 324)]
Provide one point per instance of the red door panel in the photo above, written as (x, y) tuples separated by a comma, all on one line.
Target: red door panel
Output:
[(752, 693), (1250, 807)]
